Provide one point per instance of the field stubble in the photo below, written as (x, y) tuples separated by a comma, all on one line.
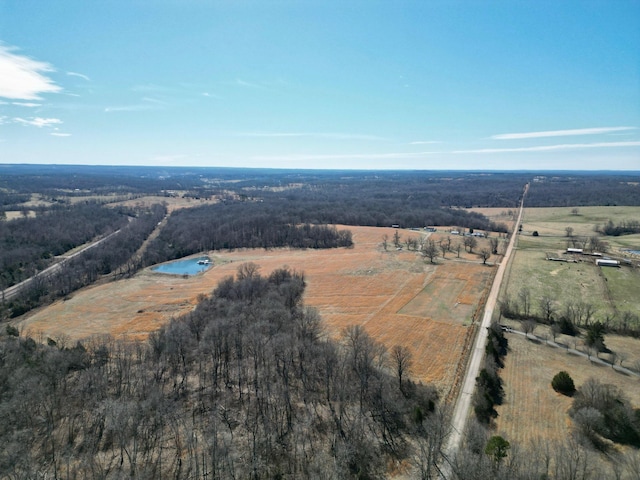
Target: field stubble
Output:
[(391, 293)]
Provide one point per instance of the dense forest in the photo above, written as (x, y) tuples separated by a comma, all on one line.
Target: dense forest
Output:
[(114, 257), (28, 245), (576, 189), (246, 386), (230, 226)]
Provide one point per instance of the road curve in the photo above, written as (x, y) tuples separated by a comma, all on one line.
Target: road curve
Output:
[(463, 403)]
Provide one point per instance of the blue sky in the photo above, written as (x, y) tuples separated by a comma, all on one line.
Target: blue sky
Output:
[(322, 84)]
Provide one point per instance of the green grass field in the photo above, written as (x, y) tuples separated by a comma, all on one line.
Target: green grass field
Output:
[(611, 291), (552, 222)]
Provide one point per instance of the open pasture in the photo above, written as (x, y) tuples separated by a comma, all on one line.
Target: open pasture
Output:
[(173, 202), (450, 294), (532, 409), (611, 291), (362, 285), (553, 221), (508, 216), (563, 282)]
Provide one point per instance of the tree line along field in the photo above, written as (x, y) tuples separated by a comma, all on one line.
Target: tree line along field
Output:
[(532, 409), (425, 306), (390, 293)]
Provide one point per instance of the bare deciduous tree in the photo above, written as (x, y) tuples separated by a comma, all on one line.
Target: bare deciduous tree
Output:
[(485, 253), (528, 326), (547, 308), (470, 243), (430, 250), (402, 361)]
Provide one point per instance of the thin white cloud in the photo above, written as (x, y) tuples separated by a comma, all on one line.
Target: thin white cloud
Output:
[(427, 142), (130, 108), (154, 100), (560, 133), (27, 104), (21, 77), (58, 134), (328, 135), (79, 75), (244, 83), (38, 121), (546, 148), (346, 156), (151, 88), (410, 155)]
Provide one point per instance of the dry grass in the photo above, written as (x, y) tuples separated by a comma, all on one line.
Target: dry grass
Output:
[(387, 292), (173, 203), (499, 215), (532, 409), (13, 214)]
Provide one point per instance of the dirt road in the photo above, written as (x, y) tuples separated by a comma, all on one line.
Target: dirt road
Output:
[(14, 290), (463, 403)]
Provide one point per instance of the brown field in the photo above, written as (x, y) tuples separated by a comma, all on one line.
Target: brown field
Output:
[(387, 292), (173, 203), (13, 214), (499, 215), (532, 409)]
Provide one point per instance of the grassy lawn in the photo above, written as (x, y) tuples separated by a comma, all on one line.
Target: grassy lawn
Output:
[(610, 290), (624, 288), (564, 282), (531, 408)]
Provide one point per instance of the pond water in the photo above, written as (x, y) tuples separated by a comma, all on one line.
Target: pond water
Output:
[(191, 266), (637, 252)]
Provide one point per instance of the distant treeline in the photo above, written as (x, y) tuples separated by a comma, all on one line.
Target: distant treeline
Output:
[(114, 255), (237, 225), (10, 200), (246, 386), (434, 188), (568, 190), (28, 245)]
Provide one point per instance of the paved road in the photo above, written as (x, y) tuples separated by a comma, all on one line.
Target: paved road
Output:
[(14, 290), (463, 403)]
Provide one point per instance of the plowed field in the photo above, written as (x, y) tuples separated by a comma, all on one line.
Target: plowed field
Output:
[(397, 296)]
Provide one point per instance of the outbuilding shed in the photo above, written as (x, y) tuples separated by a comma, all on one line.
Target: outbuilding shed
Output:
[(606, 262)]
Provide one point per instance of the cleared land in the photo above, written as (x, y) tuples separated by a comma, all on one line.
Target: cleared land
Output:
[(532, 409), (384, 291), (610, 290)]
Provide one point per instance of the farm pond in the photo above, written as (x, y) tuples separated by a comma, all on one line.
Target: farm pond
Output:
[(191, 266)]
